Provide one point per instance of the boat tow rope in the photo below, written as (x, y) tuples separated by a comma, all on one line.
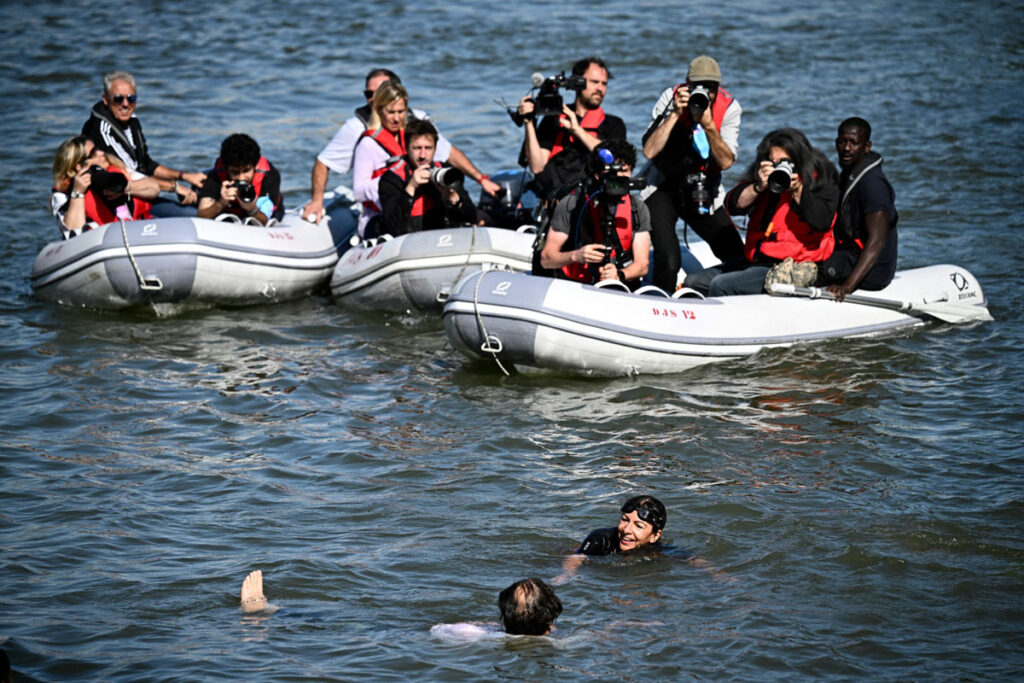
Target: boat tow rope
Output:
[(442, 296), (145, 284), (489, 346)]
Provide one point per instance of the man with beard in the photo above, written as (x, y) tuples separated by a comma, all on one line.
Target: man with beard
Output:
[(558, 148), (865, 230), (693, 137), (410, 198)]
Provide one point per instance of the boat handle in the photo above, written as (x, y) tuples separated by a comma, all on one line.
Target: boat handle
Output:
[(491, 345)]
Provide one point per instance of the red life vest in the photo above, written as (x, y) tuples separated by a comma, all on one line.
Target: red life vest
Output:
[(421, 204), (394, 146), (262, 168), (97, 211), (581, 272), (785, 235), (590, 123)]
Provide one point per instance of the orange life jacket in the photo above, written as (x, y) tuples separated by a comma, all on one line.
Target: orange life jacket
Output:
[(581, 272), (262, 168), (394, 146), (590, 123), (97, 211), (785, 235)]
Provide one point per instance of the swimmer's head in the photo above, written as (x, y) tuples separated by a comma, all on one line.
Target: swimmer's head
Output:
[(529, 608), (643, 518)]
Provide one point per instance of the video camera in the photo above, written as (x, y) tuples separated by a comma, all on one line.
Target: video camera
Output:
[(612, 185), (548, 99), (105, 181)]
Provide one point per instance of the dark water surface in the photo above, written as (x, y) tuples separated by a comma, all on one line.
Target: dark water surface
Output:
[(864, 498)]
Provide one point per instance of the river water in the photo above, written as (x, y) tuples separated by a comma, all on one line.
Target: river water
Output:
[(860, 503)]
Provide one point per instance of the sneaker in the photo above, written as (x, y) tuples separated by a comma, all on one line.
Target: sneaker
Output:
[(781, 273), (789, 272)]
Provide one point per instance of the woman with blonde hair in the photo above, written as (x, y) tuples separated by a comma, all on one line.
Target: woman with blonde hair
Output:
[(88, 188), (381, 145)]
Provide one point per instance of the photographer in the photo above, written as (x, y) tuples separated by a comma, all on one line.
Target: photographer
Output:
[(557, 149), (685, 179), (243, 182), (597, 228), (88, 189), (790, 193), (414, 197)]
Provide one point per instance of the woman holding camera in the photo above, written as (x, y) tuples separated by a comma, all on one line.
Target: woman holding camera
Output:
[(790, 194), (88, 188)]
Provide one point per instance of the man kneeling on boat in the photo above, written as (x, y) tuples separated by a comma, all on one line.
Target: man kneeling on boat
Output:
[(599, 231), (243, 182), (418, 193)]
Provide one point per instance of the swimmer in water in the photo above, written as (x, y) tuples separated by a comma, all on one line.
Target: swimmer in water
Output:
[(528, 608), (639, 529)]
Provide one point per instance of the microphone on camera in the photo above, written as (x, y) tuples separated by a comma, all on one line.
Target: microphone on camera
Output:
[(537, 79)]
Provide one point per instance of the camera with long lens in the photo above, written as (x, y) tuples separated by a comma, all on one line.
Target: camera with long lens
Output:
[(105, 181), (447, 177), (781, 177), (700, 100), (246, 192), (697, 192)]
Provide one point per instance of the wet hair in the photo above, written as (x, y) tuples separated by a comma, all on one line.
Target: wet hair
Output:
[(109, 78), (388, 92), (69, 155), (420, 127), (581, 65), (238, 149), (529, 607), (392, 76), (622, 150), (858, 123), (649, 509), (809, 163)]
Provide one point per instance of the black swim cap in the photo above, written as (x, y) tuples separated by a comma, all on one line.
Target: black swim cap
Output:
[(647, 508)]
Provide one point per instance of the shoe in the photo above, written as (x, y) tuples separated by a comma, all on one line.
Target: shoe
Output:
[(789, 272), (781, 273)]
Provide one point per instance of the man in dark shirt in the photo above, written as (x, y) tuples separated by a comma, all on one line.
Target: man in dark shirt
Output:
[(866, 243), (243, 182), (411, 200), (557, 149)]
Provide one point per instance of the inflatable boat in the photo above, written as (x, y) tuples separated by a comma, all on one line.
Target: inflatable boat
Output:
[(419, 270), (540, 323), (174, 264)]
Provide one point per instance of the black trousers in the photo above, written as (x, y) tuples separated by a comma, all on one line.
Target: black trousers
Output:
[(716, 229)]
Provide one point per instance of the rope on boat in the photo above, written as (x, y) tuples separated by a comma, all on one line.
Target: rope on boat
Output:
[(442, 296), (488, 347), (146, 285)]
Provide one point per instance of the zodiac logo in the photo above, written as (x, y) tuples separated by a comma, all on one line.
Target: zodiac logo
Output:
[(149, 229), (959, 281), (445, 240)]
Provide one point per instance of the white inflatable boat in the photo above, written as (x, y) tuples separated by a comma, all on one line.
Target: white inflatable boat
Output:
[(563, 326), (418, 270), (176, 264)]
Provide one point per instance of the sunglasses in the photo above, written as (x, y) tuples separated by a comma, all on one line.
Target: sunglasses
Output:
[(368, 94), (119, 99)]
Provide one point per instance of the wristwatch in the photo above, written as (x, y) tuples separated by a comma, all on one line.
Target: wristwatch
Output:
[(76, 195)]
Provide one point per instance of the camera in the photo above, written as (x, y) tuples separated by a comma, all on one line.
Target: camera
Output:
[(104, 181), (549, 100), (697, 192), (780, 179), (447, 177), (246, 192), (700, 100), (617, 186)]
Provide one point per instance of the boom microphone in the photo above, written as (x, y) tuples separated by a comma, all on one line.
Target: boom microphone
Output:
[(537, 79)]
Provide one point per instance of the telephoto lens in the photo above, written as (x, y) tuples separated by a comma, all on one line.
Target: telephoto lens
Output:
[(447, 177), (699, 102), (780, 179)]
